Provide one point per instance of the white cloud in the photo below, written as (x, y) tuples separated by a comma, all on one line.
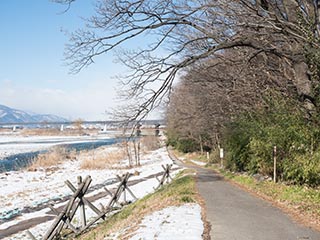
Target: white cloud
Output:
[(89, 103)]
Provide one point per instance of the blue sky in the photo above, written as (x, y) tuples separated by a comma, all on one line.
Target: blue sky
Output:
[(33, 75)]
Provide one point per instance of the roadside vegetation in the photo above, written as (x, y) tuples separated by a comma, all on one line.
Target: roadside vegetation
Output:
[(180, 191), (248, 141), (247, 123)]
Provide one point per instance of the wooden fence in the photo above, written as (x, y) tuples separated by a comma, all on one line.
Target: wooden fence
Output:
[(166, 175), (78, 203)]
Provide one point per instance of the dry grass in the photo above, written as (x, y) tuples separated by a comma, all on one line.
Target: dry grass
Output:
[(150, 143), (56, 132), (102, 160), (40, 132), (5, 130), (55, 156)]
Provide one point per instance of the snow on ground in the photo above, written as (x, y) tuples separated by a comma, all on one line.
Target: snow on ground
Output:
[(26, 189), (182, 222), (198, 162)]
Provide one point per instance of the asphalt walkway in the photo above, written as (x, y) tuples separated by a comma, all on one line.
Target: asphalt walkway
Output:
[(237, 215)]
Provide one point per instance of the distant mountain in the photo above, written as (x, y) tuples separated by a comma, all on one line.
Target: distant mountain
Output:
[(10, 115)]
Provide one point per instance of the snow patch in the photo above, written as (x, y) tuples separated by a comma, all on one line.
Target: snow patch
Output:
[(177, 223), (198, 163)]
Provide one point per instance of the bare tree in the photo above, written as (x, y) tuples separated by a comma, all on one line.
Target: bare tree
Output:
[(183, 33), (78, 125), (210, 95)]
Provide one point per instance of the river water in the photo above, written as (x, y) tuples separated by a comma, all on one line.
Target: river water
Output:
[(21, 160)]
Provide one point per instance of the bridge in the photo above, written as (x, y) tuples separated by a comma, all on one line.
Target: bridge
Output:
[(67, 123)]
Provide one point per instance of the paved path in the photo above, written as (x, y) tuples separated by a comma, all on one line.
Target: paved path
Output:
[(236, 215)]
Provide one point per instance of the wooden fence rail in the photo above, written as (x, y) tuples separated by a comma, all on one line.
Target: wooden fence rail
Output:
[(78, 203)]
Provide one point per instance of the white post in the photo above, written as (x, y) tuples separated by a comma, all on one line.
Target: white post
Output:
[(61, 128), (221, 157)]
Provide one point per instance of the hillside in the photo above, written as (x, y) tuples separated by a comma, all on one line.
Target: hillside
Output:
[(11, 115)]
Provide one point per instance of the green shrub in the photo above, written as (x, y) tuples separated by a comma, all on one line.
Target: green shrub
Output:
[(187, 145), (171, 141), (182, 144), (304, 169), (250, 138)]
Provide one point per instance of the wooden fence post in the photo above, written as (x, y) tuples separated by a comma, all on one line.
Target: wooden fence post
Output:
[(82, 206), (68, 211), (275, 164), (165, 176)]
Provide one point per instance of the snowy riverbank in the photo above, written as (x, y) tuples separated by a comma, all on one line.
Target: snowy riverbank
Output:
[(25, 195)]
